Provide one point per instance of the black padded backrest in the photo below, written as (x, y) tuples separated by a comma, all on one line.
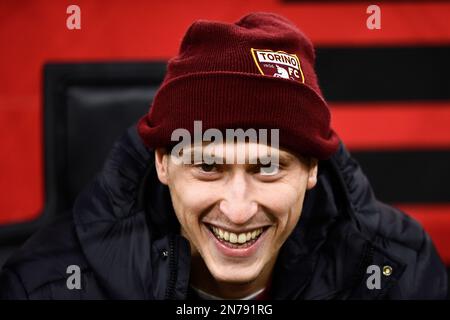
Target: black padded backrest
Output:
[(87, 107), (96, 117)]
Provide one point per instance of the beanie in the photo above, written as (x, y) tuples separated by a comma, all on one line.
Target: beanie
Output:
[(255, 73)]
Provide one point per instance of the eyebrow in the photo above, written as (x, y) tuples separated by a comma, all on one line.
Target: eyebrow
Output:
[(286, 157), (283, 156)]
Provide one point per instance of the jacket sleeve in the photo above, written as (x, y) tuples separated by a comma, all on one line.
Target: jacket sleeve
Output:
[(431, 273), (11, 287)]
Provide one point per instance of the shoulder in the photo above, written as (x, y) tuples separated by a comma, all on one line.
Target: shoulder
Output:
[(392, 232), (38, 270), (377, 220), (399, 228), (424, 276)]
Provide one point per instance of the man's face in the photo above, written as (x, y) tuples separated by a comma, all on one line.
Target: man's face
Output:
[(235, 217)]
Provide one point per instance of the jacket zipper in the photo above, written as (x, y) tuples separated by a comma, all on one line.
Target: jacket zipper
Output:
[(368, 257), (170, 293)]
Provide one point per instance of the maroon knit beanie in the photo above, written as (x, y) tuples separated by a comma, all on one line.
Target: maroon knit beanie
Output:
[(256, 73)]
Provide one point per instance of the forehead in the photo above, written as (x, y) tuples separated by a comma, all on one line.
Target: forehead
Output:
[(233, 151)]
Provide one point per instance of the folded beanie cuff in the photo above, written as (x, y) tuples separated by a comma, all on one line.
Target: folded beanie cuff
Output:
[(232, 100)]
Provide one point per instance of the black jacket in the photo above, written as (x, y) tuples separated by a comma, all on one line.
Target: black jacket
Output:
[(123, 235)]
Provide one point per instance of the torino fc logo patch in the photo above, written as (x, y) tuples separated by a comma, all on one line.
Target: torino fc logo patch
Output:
[(278, 64)]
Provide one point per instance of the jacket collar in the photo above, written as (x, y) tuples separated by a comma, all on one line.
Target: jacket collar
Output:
[(111, 229)]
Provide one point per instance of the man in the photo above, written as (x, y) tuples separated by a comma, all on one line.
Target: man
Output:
[(164, 222)]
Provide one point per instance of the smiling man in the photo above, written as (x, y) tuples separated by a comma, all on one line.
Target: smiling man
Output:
[(234, 220), (290, 217)]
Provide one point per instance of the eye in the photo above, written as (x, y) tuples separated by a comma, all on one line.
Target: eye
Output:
[(269, 169), (205, 167)]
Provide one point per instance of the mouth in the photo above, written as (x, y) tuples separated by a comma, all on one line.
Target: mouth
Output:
[(237, 243)]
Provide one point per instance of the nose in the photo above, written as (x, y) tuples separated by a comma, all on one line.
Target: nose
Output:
[(237, 204)]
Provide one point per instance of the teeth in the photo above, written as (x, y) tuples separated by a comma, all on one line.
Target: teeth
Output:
[(240, 238)]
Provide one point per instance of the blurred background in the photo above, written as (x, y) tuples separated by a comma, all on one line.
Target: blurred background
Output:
[(66, 95)]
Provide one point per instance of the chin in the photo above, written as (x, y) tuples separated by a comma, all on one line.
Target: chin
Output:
[(235, 274)]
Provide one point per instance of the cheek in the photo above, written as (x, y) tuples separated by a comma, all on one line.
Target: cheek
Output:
[(282, 196), (285, 201), (191, 198)]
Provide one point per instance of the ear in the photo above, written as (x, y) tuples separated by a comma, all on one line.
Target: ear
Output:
[(161, 164), (312, 174)]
